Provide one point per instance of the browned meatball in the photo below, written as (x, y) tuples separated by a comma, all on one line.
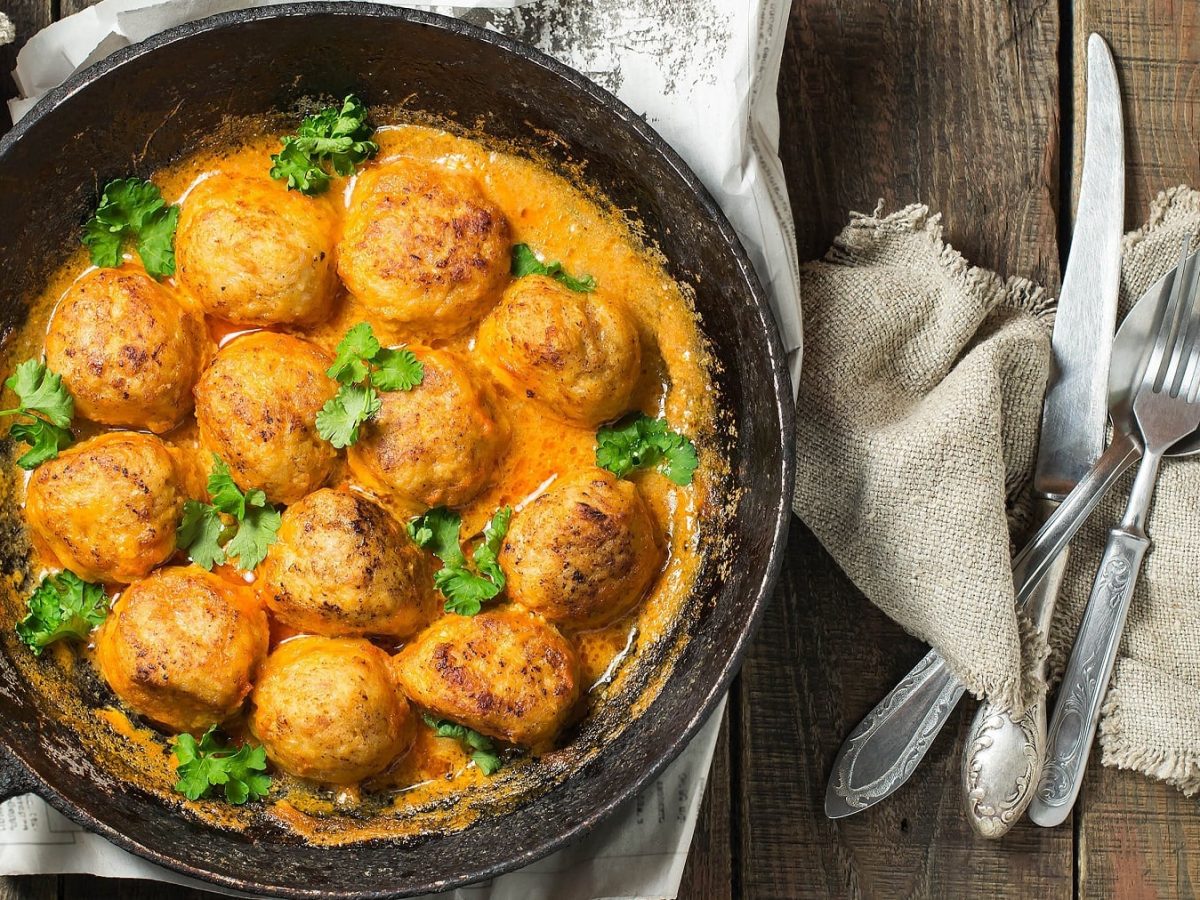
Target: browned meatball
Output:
[(504, 672), (343, 566), (126, 348), (436, 444), (578, 353), (257, 407), (583, 553), (252, 252), (423, 247), (182, 647), (108, 507), (327, 709)]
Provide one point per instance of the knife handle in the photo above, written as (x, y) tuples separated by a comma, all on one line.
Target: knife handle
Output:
[(885, 748)]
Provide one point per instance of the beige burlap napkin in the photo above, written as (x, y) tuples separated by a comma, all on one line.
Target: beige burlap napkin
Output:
[(916, 436)]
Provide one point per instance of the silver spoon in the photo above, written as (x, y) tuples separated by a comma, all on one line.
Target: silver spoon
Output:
[(1002, 758)]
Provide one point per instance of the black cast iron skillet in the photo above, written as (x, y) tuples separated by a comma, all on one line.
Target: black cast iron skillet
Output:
[(150, 104)]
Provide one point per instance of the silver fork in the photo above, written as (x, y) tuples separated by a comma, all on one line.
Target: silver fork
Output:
[(1167, 409)]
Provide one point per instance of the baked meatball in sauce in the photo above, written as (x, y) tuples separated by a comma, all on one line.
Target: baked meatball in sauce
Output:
[(254, 253), (343, 566), (127, 349), (107, 508), (505, 672), (583, 553), (257, 408), (327, 709), (576, 352), (423, 246), (438, 444), (182, 647)]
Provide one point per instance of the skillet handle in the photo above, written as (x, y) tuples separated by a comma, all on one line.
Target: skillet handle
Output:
[(15, 778)]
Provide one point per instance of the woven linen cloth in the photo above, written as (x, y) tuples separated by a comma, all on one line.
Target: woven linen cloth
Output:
[(917, 429)]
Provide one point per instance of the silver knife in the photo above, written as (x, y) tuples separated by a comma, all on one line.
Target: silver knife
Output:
[(886, 747)]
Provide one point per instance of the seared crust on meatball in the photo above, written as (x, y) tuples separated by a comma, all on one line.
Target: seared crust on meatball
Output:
[(127, 349), (327, 709), (504, 672), (583, 553), (437, 444), (578, 353), (108, 507), (257, 408), (182, 647), (254, 253), (424, 247), (342, 566)]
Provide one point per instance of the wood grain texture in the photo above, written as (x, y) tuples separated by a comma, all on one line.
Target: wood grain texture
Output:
[(30, 887), (709, 871)]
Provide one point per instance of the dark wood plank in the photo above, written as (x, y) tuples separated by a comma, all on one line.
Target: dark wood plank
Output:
[(87, 887), (29, 887), (1137, 838), (709, 872), (955, 105), (28, 16)]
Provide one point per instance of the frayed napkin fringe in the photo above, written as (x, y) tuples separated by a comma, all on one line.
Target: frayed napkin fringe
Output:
[(1180, 202), (1178, 768)]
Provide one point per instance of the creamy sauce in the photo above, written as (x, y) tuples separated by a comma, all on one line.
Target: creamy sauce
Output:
[(562, 222)]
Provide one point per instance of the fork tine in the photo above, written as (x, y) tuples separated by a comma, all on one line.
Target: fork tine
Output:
[(1178, 383), (1190, 388), (1164, 341)]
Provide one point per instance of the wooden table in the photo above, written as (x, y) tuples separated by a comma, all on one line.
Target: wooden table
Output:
[(969, 106)]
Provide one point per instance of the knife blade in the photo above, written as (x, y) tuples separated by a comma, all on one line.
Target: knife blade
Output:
[(886, 747)]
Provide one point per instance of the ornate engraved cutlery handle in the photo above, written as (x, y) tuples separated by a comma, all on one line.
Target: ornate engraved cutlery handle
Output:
[(1077, 712)]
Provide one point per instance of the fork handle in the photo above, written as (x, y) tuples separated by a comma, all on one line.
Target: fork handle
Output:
[(1077, 712)]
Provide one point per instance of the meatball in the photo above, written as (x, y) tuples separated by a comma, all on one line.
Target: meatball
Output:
[(257, 408), (254, 253), (127, 349), (423, 247), (583, 553), (577, 353), (343, 566), (182, 647), (504, 672), (437, 444), (108, 507), (327, 709)]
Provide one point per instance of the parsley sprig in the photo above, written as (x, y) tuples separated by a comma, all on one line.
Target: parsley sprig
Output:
[(525, 262), (133, 208), (62, 606), (238, 525), (339, 136), (642, 442), (363, 367), (207, 764), (465, 589), (49, 406), (482, 750)]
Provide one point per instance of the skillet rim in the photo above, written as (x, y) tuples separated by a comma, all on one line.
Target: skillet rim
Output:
[(28, 780)]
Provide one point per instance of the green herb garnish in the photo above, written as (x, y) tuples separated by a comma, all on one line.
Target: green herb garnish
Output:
[(133, 208), (46, 401), (339, 136), (482, 750), (642, 442), (206, 764), (62, 606), (466, 590), (238, 525), (525, 262), (362, 366)]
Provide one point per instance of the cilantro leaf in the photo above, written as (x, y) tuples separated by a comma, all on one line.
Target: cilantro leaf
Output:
[(45, 400), (337, 135), (465, 590), (62, 606), (642, 442), (525, 262), (397, 370), (353, 351), (208, 764), (483, 751), (133, 208), (210, 541), (343, 414)]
